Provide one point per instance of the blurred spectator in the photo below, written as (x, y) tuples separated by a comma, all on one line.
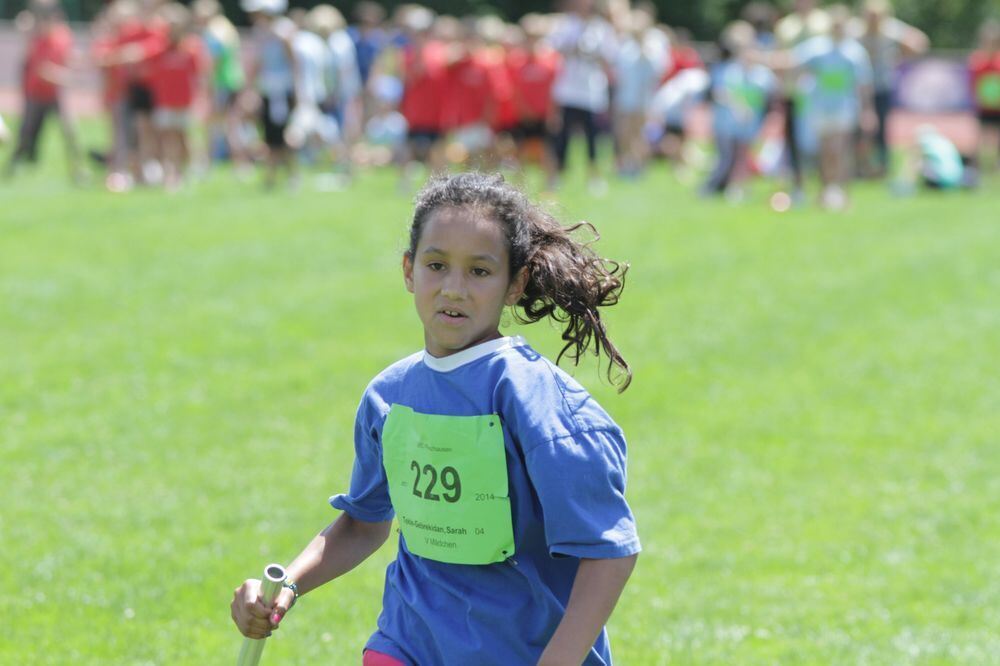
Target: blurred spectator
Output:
[(273, 74), (142, 36), (309, 129), (227, 79), (45, 74), (345, 103), (105, 34), (176, 77), (533, 72), (642, 58), (581, 90), (934, 162), (740, 91), (668, 113), (424, 75), (804, 22), (470, 104), (887, 40), (840, 99), (984, 68), (368, 36)]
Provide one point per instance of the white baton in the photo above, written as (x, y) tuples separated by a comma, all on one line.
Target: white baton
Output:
[(270, 585)]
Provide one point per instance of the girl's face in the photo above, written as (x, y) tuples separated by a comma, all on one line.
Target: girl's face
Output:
[(459, 276)]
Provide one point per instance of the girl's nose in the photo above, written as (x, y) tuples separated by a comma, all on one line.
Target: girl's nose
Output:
[(453, 285)]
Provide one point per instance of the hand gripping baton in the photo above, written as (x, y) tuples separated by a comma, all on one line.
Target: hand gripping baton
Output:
[(270, 585)]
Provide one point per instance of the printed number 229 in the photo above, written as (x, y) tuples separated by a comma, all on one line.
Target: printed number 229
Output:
[(449, 481)]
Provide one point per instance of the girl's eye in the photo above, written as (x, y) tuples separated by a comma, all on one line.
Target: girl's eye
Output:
[(480, 272), (435, 266)]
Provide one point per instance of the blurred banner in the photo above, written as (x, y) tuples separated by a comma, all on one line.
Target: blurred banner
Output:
[(933, 85)]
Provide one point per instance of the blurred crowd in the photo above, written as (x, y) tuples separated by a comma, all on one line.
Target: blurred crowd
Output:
[(429, 92)]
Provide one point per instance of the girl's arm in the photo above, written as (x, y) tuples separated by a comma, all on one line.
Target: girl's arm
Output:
[(343, 545), (596, 589)]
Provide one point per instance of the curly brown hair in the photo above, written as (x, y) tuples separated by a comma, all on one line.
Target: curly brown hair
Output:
[(567, 280)]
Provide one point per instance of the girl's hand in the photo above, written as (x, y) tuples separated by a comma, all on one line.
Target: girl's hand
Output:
[(252, 617)]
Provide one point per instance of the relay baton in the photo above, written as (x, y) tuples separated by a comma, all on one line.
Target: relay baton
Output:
[(270, 585)]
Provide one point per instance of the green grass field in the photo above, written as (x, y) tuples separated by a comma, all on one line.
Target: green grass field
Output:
[(814, 426)]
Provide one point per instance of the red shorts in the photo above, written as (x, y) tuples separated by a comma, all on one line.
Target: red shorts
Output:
[(373, 658)]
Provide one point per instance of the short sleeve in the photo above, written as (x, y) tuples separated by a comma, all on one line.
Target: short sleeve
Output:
[(368, 497), (580, 483)]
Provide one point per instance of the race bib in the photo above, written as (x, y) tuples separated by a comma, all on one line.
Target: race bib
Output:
[(448, 484), (835, 80), (752, 98), (988, 91)]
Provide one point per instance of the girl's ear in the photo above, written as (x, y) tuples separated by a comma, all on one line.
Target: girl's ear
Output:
[(516, 288), (408, 272)]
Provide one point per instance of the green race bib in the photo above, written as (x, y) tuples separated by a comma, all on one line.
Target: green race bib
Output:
[(752, 98), (448, 484), (988, 91), (835, 80)]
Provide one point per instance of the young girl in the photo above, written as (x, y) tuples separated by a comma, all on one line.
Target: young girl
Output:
[(507, 478)]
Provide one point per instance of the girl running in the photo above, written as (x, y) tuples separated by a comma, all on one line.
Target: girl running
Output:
[(505, 475)]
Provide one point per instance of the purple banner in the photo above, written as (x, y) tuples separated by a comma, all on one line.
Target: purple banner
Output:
[(933, 85)]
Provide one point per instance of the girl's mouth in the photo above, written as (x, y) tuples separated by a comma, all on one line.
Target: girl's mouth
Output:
[(452, 315)]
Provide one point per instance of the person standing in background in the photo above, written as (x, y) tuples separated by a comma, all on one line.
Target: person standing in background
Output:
[(142, 37), (740, 92), (533, 72), (581, 90), (423, 68), (984, 68), (370, 39), (804, 22), (643, 56), (274, 73), (887, 40), (840, 99), (177, 77), (222, 47), (45, 74)]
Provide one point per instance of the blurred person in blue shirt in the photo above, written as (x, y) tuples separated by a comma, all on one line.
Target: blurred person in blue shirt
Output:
[(740, 91), (838, 95)]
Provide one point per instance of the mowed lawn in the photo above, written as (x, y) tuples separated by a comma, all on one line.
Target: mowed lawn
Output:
[(814, 424)]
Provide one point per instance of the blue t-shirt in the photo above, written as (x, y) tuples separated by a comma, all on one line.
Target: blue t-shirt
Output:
[(368, 45), (740, 93), (838, 69), (566, 475)]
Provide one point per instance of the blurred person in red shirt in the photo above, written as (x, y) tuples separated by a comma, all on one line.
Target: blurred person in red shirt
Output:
[(104, 46), (424, 75), (45, 74), (984, 70), (177, 78), (533, 71), (469, 110), (142, 37)]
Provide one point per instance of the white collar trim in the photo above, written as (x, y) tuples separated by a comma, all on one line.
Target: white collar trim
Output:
[(458, 359)]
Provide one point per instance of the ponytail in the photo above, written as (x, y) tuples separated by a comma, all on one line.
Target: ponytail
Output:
[(569, 282)]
